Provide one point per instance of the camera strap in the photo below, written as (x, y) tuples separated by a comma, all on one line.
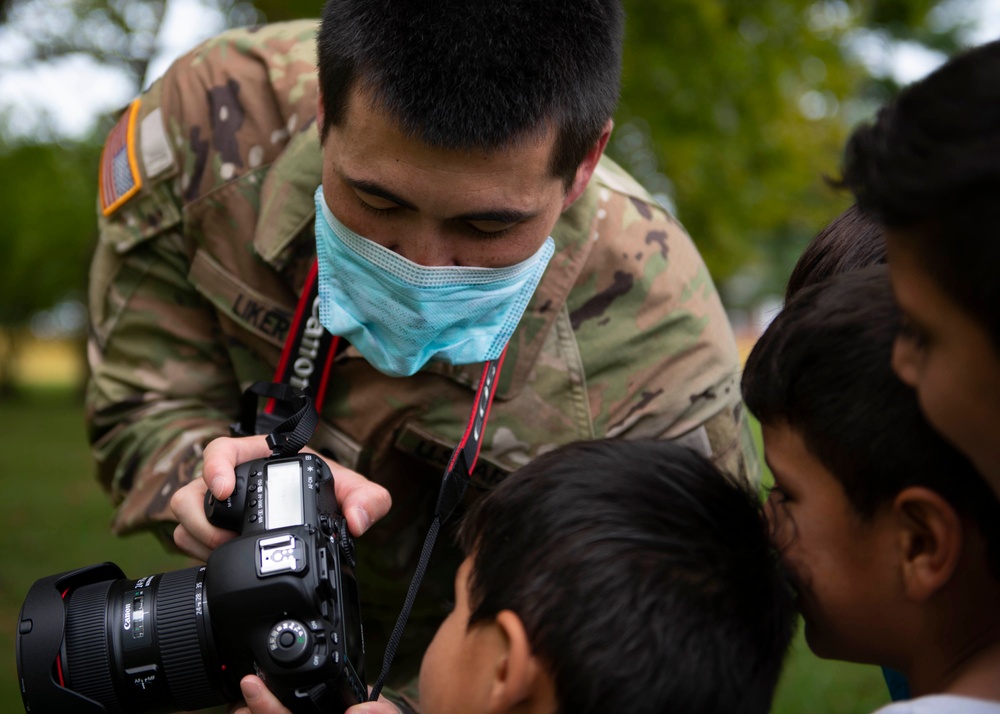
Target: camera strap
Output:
[(309, 349), (453, 484), (288, 437)]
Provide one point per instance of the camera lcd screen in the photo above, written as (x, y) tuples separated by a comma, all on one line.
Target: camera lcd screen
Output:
[(283, 505)]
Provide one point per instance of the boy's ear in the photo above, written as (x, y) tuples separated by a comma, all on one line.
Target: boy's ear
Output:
[(931, 541), (520, 680)]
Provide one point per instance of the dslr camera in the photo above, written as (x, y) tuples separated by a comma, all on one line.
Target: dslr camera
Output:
[(280, 600)]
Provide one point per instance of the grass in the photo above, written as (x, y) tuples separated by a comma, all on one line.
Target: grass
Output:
[(54, 517), (53, 514)]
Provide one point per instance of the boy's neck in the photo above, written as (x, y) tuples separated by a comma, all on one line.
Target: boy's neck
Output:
[(961, 652)]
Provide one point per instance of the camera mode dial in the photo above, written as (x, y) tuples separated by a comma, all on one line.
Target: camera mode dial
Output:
[(289, 643)]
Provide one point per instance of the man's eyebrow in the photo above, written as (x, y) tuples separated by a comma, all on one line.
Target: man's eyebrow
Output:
[(374, 189), (499, 215)]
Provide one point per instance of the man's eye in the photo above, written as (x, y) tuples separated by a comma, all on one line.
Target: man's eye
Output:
[(489, 229), (377, 211)]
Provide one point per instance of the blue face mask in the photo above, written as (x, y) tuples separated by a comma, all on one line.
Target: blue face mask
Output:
[(400, 315)]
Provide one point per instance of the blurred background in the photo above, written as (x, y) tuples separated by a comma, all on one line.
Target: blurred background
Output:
[(733, 114)]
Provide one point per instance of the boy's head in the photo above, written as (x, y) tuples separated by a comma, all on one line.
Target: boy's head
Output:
[(928, 168), (878, 518), (850, 241), (613, 576)]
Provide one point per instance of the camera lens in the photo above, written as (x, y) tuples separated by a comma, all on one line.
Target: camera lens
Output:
[(128, 645)]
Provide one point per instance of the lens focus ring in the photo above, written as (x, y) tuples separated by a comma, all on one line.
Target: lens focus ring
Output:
[(180, 643), (87, 645)]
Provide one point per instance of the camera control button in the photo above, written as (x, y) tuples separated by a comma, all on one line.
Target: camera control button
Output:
[(253, 518)]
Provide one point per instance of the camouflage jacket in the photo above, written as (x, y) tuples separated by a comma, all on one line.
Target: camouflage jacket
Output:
[(200, 264)]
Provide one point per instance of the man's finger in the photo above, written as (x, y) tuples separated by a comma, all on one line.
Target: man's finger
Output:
[(195, 535), (259, 698), (362, 502), (224, 454)]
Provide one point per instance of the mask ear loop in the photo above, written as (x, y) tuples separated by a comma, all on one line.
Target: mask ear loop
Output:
[(453, 485)]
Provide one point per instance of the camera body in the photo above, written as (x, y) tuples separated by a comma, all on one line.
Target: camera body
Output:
[(294, 617), (279, 600)]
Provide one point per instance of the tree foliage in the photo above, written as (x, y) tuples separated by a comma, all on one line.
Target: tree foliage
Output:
[(48, 228)]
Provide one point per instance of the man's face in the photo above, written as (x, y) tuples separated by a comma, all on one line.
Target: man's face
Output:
[(839, 562), (947, 357), (456, 672), (438, 206)]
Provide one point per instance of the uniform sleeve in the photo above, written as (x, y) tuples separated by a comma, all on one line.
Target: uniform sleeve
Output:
[(659, 353), (161, 385)]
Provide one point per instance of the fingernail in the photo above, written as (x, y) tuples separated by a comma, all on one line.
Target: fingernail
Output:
[(216, 484), (364, 519), (251, 690)]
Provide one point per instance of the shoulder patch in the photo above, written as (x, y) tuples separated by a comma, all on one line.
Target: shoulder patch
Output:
[(120, 178), (157, 156)]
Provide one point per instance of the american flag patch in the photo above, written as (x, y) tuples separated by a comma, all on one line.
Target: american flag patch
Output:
[(120, 178)]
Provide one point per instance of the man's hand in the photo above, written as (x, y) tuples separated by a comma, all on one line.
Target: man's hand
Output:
[(260, 700), (361, 501)]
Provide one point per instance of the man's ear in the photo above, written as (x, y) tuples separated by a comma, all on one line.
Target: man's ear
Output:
[(319, 113), (586, 169), (931, 541), (519, 678)]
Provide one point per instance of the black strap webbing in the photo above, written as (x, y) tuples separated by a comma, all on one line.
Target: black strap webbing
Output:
[(453, 485), (288, 437)]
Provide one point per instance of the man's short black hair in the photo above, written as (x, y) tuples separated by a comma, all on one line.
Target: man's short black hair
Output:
[(850, 241), (930, 165), (644, 577), (478, 74), (824, 368)]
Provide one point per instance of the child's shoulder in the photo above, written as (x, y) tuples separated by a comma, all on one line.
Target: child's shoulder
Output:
[(941, 703)]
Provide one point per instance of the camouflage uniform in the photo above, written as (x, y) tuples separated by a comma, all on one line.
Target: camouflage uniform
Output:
[(198, 273)]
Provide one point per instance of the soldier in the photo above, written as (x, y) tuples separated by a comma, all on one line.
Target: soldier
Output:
[(456, 145)]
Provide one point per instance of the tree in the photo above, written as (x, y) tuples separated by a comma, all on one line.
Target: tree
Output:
[(47, 232), (737, 111)]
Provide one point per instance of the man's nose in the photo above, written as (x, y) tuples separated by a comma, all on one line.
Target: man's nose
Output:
[(426, 246)]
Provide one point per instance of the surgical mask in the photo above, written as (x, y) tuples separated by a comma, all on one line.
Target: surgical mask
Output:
[(400, 315)]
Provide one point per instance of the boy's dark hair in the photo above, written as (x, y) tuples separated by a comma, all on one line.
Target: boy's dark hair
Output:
[(824, 368), (850, 241), (478, 74), (643, 575), (930, 164)]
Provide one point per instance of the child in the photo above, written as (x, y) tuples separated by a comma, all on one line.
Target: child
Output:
[(891, 535), (929, 170), (609, 576), (850, 241)]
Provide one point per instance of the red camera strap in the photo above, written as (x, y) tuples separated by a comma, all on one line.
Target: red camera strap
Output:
[(309, 351)]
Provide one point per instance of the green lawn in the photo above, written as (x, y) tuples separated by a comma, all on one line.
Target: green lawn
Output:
[(54, 517)]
